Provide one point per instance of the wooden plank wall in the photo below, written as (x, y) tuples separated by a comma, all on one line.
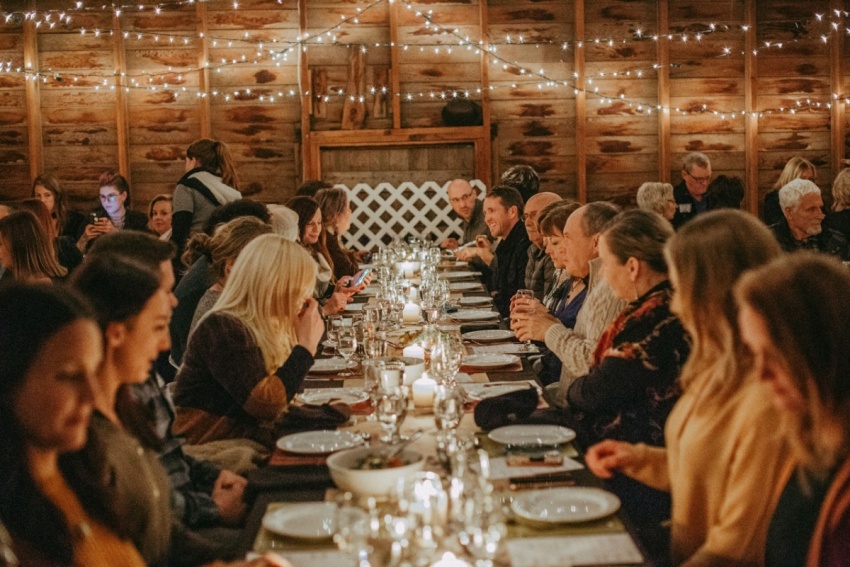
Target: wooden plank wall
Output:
[(76, 120)]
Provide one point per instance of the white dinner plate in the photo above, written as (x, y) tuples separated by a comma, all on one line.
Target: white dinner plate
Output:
[(474, 315), (489, 360), (319, 396), (489, 335), (475, 300), (478, 392), (315, 521), (532, 435), (464, 286), (565, 505), (460, 275), (322, 442), (331, 366)]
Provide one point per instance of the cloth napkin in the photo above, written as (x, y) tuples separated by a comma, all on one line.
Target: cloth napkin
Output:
[(304, 417), (507, 409)]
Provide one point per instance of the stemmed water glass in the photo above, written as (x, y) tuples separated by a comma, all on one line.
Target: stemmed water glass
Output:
[(525, 295), (333, 324), (390, 410), (346, 346), (446, 357), (448, 406)]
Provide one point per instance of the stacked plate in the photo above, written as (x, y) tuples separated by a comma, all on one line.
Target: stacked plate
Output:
[(472, 300), (532, 435), (490, 335), (489, 360), (474, 315), (319, 396)]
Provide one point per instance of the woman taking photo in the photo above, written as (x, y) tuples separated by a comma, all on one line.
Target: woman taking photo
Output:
[(248, 356), (26, 252), (336, 220), (113, 213), (722, 447), (795, 319), (66, 221), (210, 181), (57, 512), (159, 216)]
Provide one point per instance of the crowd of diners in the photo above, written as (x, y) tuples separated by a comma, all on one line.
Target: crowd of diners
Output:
[(702, 355)]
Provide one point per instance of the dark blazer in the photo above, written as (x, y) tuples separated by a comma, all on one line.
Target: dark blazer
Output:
[(509, 267)]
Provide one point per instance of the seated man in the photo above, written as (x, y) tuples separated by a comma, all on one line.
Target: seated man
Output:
[(540, 271), (801, 228), (465, 204), (503, 209), (690, 192), (574, 347)]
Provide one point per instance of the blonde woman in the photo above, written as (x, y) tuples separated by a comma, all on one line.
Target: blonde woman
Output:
[(723, 452), (795, 168), (248, 356), (839, 218)]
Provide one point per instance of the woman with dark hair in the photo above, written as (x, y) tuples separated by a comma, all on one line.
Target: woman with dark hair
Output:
[(66, 252), (210, 181), (333, 294), (66, 221), (795, 318), (58, 511), (114, 211), (722, 449), (133, 312), (336, 220), (159, 215), (26, 251)]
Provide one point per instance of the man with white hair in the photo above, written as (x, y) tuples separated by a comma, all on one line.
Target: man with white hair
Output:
[(802, 229)]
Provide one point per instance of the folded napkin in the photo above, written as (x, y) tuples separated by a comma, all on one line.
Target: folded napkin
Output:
[(506, 409), (304, 417)]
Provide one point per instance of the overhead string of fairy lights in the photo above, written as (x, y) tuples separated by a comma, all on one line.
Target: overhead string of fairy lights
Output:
[(277, 51)]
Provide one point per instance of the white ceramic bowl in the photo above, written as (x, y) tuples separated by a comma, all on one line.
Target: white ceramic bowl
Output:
[(379, 482), (413, 367)]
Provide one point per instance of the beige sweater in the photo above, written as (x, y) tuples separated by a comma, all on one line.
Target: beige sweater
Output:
[(723, 459), (574, 347)]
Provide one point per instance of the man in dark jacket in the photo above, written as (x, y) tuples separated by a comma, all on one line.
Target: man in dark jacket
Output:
[(802, 228), (690, 193)]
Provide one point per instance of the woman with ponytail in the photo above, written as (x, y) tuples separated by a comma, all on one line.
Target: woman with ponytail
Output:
[(210, 181)]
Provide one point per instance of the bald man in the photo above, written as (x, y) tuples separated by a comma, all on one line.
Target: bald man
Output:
[(465, 203), (540, 271)]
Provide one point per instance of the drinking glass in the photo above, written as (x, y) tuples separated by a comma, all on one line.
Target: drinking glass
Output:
[(346, 346), (353, 528), (333, 324), (425, 503), (390, 411), (374, 346), (372, 381), (524, 294), (448, 406), (446, 357)]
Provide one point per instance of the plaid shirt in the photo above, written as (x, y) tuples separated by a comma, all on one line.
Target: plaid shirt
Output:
[(191, 480), (539, 272)]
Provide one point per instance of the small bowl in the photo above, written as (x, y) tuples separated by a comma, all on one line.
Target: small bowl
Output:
[(381, 482), (413, 367)]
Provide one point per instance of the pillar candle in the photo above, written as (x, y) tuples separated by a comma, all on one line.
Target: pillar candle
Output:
[(423, 392), (411, 314)]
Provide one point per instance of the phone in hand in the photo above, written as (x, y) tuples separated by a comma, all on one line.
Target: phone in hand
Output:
[(359, 277), (93, 218)]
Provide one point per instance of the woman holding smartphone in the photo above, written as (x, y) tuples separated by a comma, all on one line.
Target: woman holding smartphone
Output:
[(113, 213)]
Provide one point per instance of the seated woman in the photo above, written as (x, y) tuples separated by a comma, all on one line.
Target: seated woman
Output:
[(658, 198), (796, 168), (66, 221), (336, 220), (26, 252), (567, 295), (113, 213), (248, 356), (722, 447), (795, 318), (333, 295), (222, 249), (67, 253), (132, 311), (159, 216), (57, 512)]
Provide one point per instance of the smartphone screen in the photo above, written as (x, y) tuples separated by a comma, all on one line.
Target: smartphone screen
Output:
[(359, 277)]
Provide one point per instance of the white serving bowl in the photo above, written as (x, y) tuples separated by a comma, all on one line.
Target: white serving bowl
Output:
[(380, 482), (413, 367)]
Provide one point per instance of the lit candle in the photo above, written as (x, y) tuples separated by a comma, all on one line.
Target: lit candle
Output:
[(449, 559), (414, 351), (411, 314), (413, 295), (423, 392)]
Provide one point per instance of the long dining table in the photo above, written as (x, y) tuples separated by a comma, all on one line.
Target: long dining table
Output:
[(607, 541)]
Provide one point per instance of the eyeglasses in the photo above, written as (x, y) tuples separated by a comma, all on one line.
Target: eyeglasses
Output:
[(698, 179), (111, 198)]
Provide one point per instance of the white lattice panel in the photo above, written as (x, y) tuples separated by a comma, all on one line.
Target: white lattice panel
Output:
[(384, 212)]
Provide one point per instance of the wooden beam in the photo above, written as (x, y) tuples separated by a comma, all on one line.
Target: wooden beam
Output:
[(751, 123), (395, 71), (483, 159), (204, 114), (581, 105), (664, 153), (35, 138), (122, 119), (838, 126), (311, 165)]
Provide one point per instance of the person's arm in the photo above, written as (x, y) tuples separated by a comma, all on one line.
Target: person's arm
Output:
[(642, 462), (181, 219), (574, 351)]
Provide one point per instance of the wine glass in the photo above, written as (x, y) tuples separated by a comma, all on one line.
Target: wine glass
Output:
[(446, 357), (390, 410), (346, 346), (525, 295), (353, 528), (448, 406), (333, 324)]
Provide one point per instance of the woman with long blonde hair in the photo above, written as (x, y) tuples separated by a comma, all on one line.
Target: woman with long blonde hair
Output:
[(795, 168), (722, 446), (248, 356)]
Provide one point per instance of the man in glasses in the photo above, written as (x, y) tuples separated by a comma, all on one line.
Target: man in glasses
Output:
[(465, 203), (690, 193)]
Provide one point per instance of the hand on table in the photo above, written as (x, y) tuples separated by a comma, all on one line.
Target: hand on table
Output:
[(450, 244), (309, 326), (227, 493), (604, 458), (482, 249), (336, 303)]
